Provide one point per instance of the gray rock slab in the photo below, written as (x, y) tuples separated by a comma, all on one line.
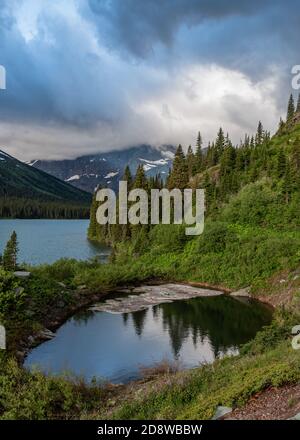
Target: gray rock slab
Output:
[(296, 417), (146, 296), (221, 411), (242, 292)]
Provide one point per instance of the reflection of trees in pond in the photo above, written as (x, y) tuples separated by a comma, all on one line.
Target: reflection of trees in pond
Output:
[(125, 317), (225, 321), (138, 319), (83, 316)]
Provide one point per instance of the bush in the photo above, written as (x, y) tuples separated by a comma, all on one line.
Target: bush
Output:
[(216, 237)]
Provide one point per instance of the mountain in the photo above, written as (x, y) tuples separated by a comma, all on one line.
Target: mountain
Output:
[(26, 191), (106, 169)]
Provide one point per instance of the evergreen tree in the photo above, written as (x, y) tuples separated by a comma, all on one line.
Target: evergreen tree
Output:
[(298, 104), (281, 125), (199, 140), (10, 253), (179, 175), (281, 163), (190, 161), (140, 180), (290, 109), (219, 145), (259, 134), (198, 162), (127, 177), (92, 230)]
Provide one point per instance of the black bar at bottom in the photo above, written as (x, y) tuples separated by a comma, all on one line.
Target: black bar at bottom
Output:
[(139, 429)]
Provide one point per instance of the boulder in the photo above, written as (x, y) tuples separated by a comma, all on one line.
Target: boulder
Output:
[(221, 411), (242, 292)]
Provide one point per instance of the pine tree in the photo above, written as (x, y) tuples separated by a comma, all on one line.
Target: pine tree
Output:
[(127, 177), (281, 125), (219, 145), (259, 134), (140, 180), (10, 253), (281, 163), (198, 162), (298, 104), (179, 175), (199, 140), (190, 161), (92, 230), (290, 109)]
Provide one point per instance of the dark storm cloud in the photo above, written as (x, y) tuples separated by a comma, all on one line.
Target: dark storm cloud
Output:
[(248, 35), (104, 63), (138, 26)]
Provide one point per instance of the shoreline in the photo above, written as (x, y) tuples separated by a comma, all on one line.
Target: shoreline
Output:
[(84, 299)]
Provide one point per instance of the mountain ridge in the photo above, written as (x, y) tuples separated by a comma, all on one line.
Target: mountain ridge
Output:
[(28, 192), (87, 172)]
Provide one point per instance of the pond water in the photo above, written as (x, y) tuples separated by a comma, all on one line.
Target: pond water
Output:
[(45, 241), (114, 347)]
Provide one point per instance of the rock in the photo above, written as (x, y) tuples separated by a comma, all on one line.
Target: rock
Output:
[(22, 274), (46, 334), (221, 411), (242, 292), (147, 296), (31, 339), (20, 354), (296, 417), (124, 290)]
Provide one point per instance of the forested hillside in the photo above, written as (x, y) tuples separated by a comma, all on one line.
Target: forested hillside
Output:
[(26, 192), (255, 183)]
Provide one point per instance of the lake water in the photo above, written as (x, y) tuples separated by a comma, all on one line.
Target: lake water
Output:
[(114, 346), (45, 241)]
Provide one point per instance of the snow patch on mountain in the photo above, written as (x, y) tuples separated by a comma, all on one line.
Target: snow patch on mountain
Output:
[(155, 162), (75, 177), (110, 175)]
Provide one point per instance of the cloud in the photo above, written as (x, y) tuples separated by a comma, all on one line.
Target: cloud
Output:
[(91, 76)]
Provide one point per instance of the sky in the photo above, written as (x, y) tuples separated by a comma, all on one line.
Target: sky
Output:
[(86, 76)]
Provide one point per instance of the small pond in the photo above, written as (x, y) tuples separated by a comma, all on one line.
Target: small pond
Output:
[(114, 346)]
